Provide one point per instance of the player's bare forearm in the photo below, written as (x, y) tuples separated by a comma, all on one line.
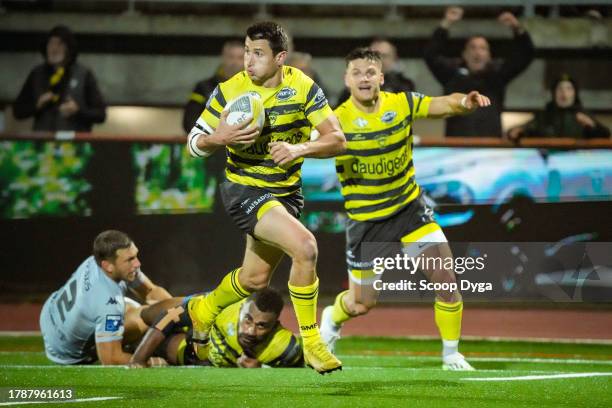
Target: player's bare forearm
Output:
[(328, 145), (209, 140), (151, 340), (331, 141), (111, 353), (158, 293), (457, 104)]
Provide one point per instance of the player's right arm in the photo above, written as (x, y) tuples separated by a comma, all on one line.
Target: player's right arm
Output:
[(212, 131), (203, 140), (456, 104), (111, 353)]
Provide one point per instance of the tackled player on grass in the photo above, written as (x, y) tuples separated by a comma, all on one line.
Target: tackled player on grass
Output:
[(246, 334)]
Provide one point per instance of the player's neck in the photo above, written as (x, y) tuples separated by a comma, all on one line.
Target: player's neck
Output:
[(370, 106), (273, 81)]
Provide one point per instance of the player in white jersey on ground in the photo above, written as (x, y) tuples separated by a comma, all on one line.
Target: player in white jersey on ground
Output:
[(87, 318)]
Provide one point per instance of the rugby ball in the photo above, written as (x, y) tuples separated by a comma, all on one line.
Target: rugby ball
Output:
[(243, 107)]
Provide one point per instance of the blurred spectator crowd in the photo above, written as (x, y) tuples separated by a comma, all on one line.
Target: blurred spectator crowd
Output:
[(62, 94)]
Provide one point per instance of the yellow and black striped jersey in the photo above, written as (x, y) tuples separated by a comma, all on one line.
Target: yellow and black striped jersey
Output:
[(376, 172), (282, 348), (292, 109)]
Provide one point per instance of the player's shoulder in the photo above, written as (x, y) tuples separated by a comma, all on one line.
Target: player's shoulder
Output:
[(393, 97), (89, 271), (293, 75), (295, 79), (235, 85), (345, 109), (231, 312)]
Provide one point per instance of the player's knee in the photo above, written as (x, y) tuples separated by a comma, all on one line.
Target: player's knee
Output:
[(307, 251), (450, 297), (255, 281)]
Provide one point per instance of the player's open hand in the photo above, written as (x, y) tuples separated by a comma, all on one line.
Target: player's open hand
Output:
[(475, 100), (283, 153), (238, 134)]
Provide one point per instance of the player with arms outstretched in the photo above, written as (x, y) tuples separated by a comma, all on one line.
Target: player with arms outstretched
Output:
[(263, 188), (388, 206)]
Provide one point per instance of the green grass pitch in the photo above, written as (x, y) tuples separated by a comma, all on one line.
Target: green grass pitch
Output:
[(377, 372)]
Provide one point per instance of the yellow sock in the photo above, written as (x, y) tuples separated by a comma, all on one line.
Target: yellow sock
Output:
[(339, 313), (304, 299), (180, 352), (448, 319), (204, 309)]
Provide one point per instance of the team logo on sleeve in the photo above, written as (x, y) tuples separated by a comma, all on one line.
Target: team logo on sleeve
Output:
[(388, 116), (319, 97), (286, 93), (113, 323), (212, 96)]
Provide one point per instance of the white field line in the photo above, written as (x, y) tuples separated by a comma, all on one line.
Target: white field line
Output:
[(438, 370), (539, 377), (94, 399), (494, 359)]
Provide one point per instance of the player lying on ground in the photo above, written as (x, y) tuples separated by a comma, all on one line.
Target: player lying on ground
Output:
[(263, 189), (88, 319), (388, 206), (245, 334)]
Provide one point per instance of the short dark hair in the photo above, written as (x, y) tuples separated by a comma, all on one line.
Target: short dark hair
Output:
[(363, 53), (268, 300), (274, 33), (107, 243)]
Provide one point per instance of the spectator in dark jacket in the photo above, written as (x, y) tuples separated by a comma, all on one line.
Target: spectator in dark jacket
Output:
[(476, 70), (61, 94), (564, 116), (232, 62), (395, 80)]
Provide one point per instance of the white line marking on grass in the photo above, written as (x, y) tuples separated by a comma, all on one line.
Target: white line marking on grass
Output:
[(94, 399), (437, 369), (540, 377), (495, 359), (19, 333), (496, 339)]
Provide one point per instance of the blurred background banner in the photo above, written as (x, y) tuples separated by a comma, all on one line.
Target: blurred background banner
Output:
[(52, 178), (52, 207)]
